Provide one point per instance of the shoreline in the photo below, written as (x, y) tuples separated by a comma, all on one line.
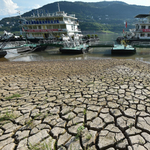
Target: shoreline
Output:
[(83, 104), (68, 67)]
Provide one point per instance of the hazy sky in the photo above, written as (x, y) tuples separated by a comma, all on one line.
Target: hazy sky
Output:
[(9, 8)]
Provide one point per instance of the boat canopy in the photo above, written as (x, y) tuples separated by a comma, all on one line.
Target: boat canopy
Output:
[(142, 16)]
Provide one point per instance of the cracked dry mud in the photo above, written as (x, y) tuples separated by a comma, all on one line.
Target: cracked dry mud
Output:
[(75, 105)]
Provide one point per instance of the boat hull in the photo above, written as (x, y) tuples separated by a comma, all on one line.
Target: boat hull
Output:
[(73, 50), (40, 48), (122, 50), (70, 51), (2, 53)]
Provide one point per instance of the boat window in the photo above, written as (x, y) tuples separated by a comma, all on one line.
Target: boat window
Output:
[(63, 26), (49, 27), (72, 27), (34, 27), (137, 27), (39, 27), (142, 35), (148, 35), (148, 27), (43, 27), (65, 19), (56, 26), (60, 19), (143, 27)]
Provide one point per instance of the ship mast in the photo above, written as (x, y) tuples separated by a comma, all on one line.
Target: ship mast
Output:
[(58, 7)]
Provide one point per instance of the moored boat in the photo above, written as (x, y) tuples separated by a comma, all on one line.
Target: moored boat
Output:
[(120, 49), (74, 46), (50, 26), (8, 36), (141, 32)]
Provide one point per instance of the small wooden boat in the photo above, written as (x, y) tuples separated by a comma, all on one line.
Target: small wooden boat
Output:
[(123, 49)]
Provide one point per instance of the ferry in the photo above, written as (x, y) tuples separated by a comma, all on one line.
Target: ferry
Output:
[(141, 32), (50, 26)]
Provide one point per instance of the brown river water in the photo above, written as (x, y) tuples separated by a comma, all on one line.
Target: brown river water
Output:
[(51, 54)]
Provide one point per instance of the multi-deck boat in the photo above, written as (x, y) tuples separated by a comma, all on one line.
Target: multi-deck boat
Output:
[(49, 26), (8, 36), (141, 32)]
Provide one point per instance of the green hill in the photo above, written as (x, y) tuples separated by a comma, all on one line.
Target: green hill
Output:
[(97, 16)]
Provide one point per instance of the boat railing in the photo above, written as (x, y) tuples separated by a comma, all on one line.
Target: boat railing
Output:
[(17, 43), (142, 21), (62, 13), (72, 15), (139, 43), (49, 41), (71, 42)]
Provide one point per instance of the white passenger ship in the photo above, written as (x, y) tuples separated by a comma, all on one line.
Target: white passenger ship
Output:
[(49, 26), (141, 32)]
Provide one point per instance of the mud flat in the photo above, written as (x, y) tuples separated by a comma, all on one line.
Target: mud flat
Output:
[(75, 105)]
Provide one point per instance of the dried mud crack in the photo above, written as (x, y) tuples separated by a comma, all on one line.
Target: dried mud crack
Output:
[(75, 105)]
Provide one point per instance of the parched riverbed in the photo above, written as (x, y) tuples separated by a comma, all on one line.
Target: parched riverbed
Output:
[(75, 105)]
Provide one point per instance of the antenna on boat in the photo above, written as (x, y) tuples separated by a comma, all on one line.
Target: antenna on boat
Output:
[(58, 7), (19, 13), (21, 16)]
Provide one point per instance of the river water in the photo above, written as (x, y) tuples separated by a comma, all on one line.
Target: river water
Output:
[(51, 54)]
